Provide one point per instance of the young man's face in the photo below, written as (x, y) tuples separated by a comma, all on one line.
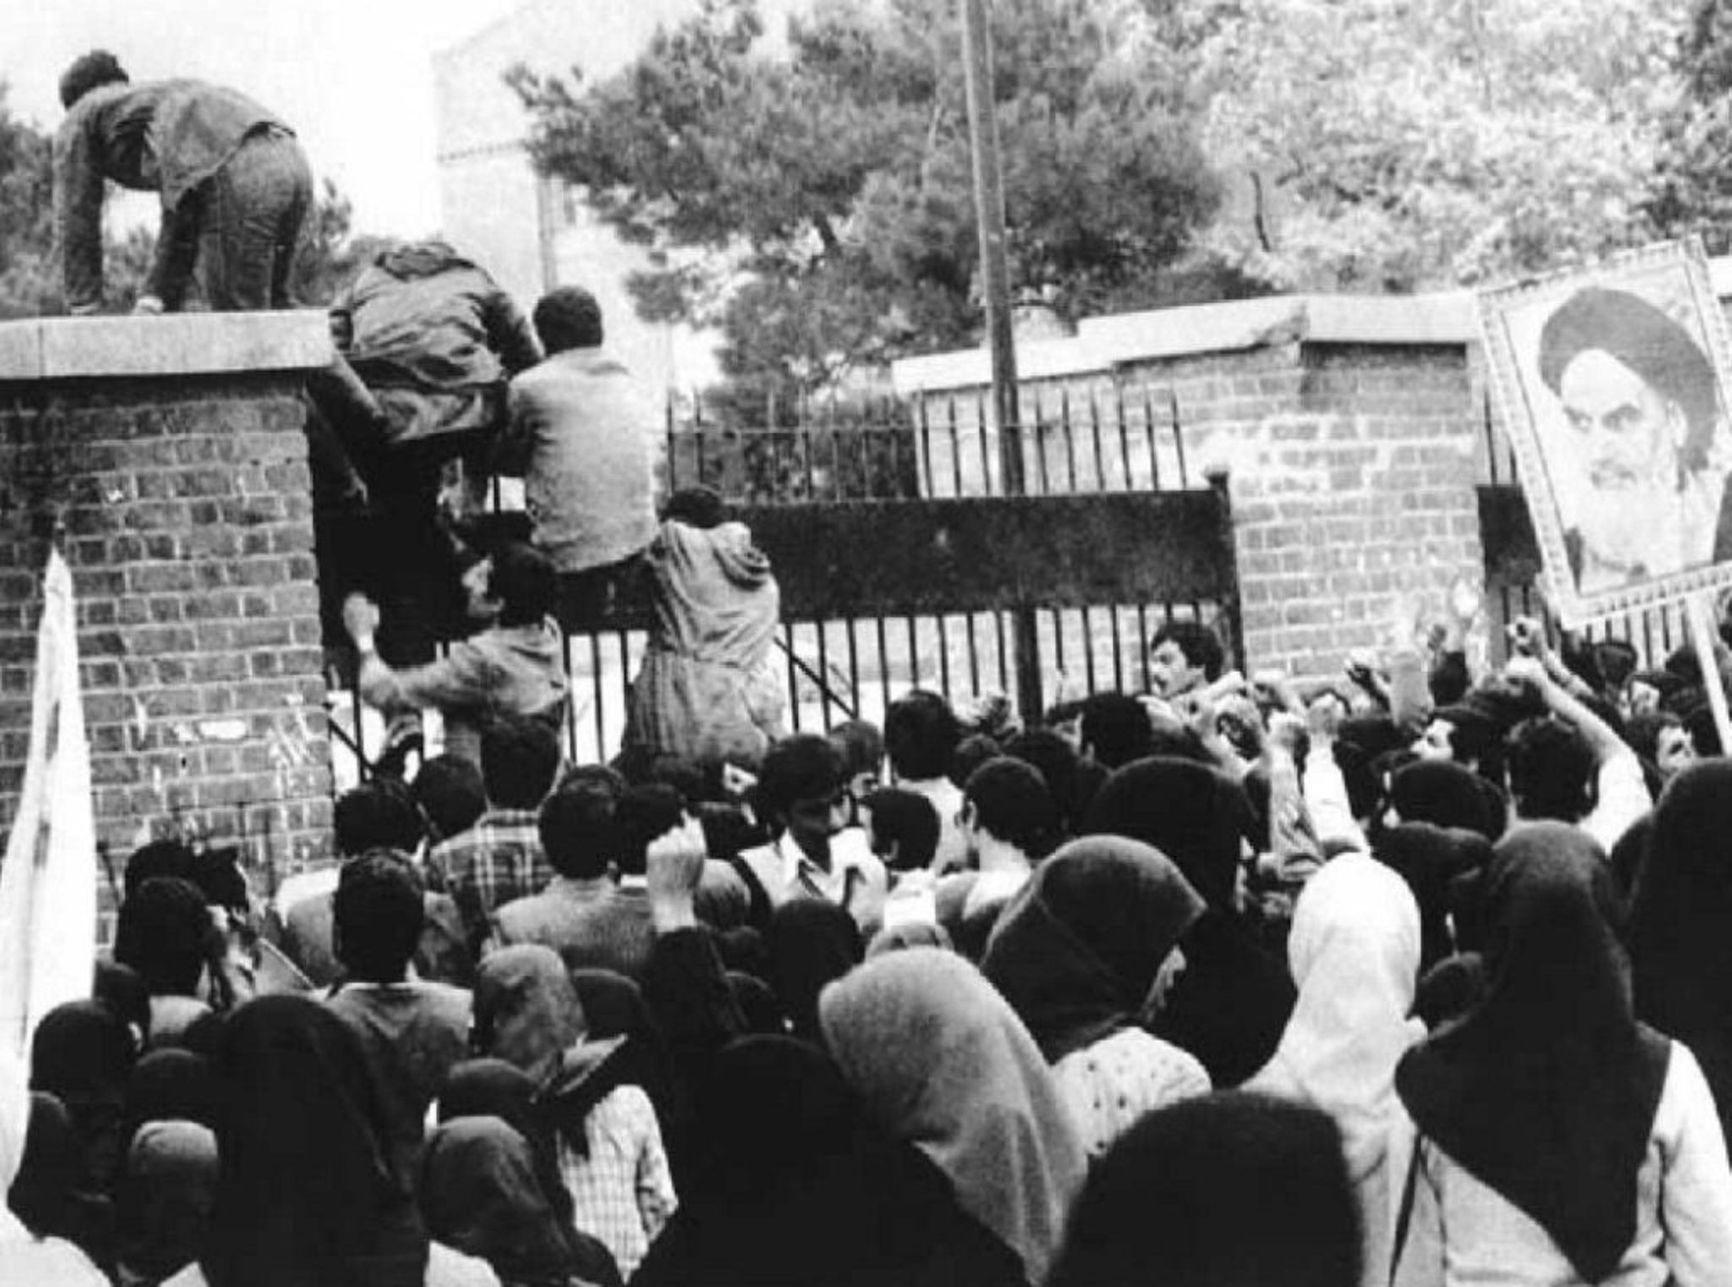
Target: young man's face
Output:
[(1674, 751), (1437, 742), (812, 821), (479, 602), (1171, 672)]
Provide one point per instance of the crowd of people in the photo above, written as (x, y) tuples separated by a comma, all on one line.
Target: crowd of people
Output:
[(1416, 977), (1412, 977)]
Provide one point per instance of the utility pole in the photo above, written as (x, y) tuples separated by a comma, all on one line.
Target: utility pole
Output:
[(995, 280)]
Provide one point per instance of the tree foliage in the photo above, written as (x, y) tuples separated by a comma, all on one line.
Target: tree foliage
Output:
[(818, 207), (1692, 186), (1401, 144)]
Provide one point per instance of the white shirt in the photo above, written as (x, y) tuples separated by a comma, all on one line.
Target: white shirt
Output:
[(856, 880), (1622, 798)]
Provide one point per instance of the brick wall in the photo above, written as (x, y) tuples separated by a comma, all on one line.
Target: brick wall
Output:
[(169, 455), (1352, 432)]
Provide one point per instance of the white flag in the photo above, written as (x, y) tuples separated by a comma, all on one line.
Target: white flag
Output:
[(48, 885)]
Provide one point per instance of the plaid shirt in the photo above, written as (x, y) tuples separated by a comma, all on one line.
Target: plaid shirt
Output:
[(623, 1192), (497, 860)]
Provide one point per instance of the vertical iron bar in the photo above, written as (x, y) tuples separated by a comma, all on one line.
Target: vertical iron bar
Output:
[(973, 653), (1154, 446), (788, 642), (943, 658), (913, 650), (1095, 431), (824, 670), (1178, 438)]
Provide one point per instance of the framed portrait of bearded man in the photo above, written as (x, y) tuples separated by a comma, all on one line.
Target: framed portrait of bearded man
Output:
[(1613, 385)]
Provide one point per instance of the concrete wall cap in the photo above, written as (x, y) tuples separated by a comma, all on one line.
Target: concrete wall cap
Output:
[(1103, 343), (62, 348)]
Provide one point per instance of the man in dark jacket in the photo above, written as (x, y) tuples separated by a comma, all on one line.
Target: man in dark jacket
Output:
[(235, 187)]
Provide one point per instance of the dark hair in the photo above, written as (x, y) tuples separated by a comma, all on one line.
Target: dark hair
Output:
[(217, 873), (1644, 338), (908, 820), (1173, 1190), (700, 507), (1551, 770), (164, 933), (519, 759), (1055, 759), (122, 991), (683, 775), (861, 744), (1063, 713), (90, 71), (802, 767), (568, 318), (525, 582), (158, 858), (1643, 731), (1116, 728), (1011, 803), (970, 753), (920, 735), (378, 814), (596, 774), (450, 792), (646, 813), (580, 829), (1201, 645), (377, 912)]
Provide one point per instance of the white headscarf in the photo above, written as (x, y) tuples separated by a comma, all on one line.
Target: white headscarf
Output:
[(1354, 952)]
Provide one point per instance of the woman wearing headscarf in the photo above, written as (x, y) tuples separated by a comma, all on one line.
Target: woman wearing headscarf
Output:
[(166, 1201), (897, 938), (1447, 794), (1354, 952), (793, 1188), (83, 1056), (480, 1193), (609, 1141), (494, 1088), (305, 1195), (171, 1085), (1231, 1003), (941, 1061), (28, 1256), (1085, 957), (812, 943), (1680, 930), (51, 1194), (1229, 1190), (1560, 1141), (1434, 861)]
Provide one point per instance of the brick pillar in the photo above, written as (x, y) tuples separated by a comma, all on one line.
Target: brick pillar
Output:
[(169, 455)]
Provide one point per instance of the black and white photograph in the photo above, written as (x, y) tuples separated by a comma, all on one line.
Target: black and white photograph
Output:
[(1612, 384), (865, 643)]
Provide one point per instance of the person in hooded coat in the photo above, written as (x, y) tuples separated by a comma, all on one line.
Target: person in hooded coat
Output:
[(84, 1056), (793, 1187), (51, 1193), (706, 692), (1680, 927), (1085, 956), (1559, 1140), (1231, 1003), (305, 1195), (941, 1061), (1355, 953)]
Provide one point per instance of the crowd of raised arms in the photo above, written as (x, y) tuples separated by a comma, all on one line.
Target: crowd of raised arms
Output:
[(1230, 982), (1414, 977)]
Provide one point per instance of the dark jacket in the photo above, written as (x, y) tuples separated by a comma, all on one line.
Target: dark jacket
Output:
[(164, 136)]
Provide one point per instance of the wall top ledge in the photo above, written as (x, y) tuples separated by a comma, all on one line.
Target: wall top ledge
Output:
[(1102, 344), (65, 348)]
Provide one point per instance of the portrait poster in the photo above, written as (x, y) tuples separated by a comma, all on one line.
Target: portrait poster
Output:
[(1612, 383)]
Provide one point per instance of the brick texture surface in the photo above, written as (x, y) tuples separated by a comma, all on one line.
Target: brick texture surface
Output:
[(183, 507), (1352, 472)]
